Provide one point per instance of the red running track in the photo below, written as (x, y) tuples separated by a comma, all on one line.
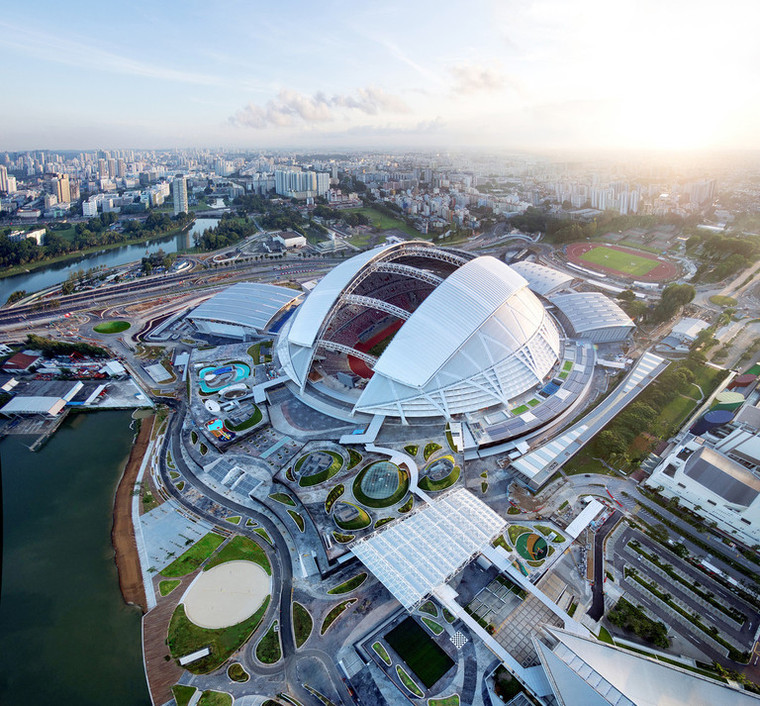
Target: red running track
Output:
[(359, 367), (664, 271)]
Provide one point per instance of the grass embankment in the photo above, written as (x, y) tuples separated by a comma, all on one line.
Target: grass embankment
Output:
[(268, 651), (185, 637), (347, 586), (166, 587), (323, 475), (193, 557), (360, 521), (112, 327), (395, 497), (241, 548), (722, 300), (303, 624), (334, 614), (433, 486), (252, 421)]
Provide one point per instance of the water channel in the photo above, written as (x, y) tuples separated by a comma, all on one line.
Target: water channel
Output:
[(49, 275), (66, 636)]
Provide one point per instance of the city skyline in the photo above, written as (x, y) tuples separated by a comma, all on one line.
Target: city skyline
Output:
[(533, 76)]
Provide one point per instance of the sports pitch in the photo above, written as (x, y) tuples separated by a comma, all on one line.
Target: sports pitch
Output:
[(621, 261)]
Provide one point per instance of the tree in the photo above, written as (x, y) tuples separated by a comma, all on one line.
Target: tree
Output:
[(18, 295)]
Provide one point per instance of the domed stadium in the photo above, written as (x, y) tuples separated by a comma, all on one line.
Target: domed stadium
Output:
[(411, 330)]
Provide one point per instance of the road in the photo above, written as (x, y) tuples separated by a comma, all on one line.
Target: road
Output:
[(282, 570)]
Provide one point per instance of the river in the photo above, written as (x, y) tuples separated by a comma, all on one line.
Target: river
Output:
[(66, 635), (58, 272)]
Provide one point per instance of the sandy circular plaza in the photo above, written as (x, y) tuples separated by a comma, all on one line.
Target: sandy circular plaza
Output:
[(226, 595)]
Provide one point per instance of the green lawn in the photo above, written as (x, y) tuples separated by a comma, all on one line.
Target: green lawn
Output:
[(241, 548), (361, 521), (236, 672), (423, 655), (193, 557), (433, 486), (334, 614), (166, 587), (112, 327), (268, 650), (297, 519), (437, 628), (407, 681), (347, 586), (185, 637), (722, 300), (283, 498), (430, 449), (452, 700), (235, 519), (381, 652), (333, 495), (302, 623), (323, 475), (215, 698), (383, 222), (629, 263), (263, 533), (252, 421), (183, 694)]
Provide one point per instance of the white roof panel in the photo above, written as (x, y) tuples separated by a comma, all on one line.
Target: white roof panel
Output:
[(313, 311), (541, 279), (246, 304), (452, 313), (422, 551), (588, 311)]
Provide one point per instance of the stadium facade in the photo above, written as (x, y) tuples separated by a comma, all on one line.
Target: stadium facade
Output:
[(411, 330)]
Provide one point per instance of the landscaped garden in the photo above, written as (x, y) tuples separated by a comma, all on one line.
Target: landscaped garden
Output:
[(303, 623), (241, 548), (359, 516), (268, 651), (166, 587), (190, 560), (115, 326), (185, 637), (334, 614), (351, 584), (418, 650), (318, 466), (380, 484)]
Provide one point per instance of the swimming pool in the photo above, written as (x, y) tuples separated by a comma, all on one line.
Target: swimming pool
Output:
[(225, 375)]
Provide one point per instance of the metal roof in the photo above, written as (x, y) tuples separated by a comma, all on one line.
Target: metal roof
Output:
[(588, 311), (622, 677), (541, 279), (722, 476), (424, 550), (307, 322), (452, 313), (245, 304)]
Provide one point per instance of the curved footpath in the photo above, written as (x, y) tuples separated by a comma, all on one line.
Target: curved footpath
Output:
[(123, 532)]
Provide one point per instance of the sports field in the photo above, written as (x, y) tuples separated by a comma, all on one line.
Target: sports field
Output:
[(626, 262), (421, 654)]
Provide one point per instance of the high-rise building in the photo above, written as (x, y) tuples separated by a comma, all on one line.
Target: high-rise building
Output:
[(3, 179), (296, 184), (179, 190), (62, 188)]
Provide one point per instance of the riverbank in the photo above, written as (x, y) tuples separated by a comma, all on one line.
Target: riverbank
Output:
[(123, 533), (77, 254)]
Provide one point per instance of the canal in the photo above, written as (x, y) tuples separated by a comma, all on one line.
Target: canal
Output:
[(49, 275), (67, 637)]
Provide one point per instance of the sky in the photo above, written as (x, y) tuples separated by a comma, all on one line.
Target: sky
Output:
[(494, 74)]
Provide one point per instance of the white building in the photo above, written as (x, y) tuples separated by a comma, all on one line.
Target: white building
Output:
[(720, 482), (593, 316), (297, 184)]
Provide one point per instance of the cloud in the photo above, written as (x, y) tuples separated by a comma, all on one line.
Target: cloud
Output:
[(474, 78), (291, 108)]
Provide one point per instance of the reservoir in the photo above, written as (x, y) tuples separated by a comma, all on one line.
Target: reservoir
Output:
[(67, 637), (49, 275)]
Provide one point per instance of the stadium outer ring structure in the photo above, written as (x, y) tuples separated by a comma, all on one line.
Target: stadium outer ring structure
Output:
[(477, 339)]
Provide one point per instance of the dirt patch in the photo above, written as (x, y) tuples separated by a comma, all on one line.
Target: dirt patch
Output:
[(123, 534)]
